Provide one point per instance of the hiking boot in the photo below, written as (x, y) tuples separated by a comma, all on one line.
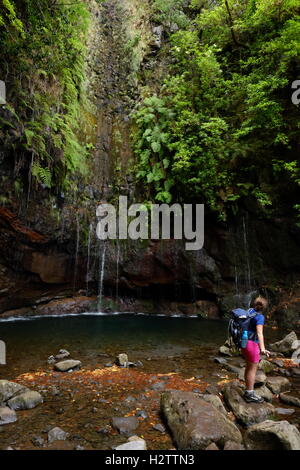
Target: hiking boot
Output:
[(252, 398)]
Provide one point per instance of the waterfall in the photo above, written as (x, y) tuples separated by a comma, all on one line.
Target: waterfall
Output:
[(244, 290), (247, 260), (76, 253), (101, 274), (117, 274), (88, 259)]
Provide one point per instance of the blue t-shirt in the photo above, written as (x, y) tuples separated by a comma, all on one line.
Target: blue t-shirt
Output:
[(259, 319)]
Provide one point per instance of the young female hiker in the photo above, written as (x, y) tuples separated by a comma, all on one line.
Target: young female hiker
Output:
[(254, 347)]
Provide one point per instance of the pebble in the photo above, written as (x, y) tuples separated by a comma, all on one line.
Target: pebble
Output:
[(159, 427)]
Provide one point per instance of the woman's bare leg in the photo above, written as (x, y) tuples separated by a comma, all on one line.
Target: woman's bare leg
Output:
[(250, 373)]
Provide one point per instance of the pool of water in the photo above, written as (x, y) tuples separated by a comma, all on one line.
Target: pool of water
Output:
[(29, 342), (181, 347)]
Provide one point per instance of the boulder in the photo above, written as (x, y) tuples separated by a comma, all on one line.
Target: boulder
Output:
[(7, 415), (125, 425), (69, 364), (9, 390), (278, 384), (230, 445), (246, 413), (215, 401), (289, 400), (265, 393), (272, 435), (195, 423), (260, 377), (57, 434), (266, 366), (25, 401), (287, 345)]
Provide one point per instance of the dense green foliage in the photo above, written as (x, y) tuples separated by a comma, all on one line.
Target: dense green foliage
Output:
[(43, 45), (223, 127)]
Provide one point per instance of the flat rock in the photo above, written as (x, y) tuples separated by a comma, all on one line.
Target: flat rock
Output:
[(272, 435), (25, 401), (220, 360), (246, 413), (278, 384), (10, 389), (7, 415), (195, 423), (125, 425), (69, 364), (232, 368), (287, 345), (285, 411), (57, 434), (289, 400)]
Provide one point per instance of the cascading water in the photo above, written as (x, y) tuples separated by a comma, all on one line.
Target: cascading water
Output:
[(76, 252), (244, 290), (88, 258), (117, 273), (101, 273)]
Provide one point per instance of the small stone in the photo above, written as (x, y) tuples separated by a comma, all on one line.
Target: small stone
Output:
[(108, 364), (78, 447), (57, 434), (159, 427), (25, 401), (37, 441), (220, 360), (65, 366), (158, 386), (125, 425), (62, 354), (122, 360), (142, 414), (284, 411)]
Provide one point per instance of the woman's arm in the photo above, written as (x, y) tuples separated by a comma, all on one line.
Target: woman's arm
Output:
[(259, 331)]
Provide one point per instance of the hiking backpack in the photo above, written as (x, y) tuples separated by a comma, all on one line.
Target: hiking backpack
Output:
[(239, 322)]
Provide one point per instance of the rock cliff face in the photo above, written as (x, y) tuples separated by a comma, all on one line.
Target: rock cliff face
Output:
[(48, 246)]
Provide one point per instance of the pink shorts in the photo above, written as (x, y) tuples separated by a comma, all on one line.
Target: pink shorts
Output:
[(251, 352)]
